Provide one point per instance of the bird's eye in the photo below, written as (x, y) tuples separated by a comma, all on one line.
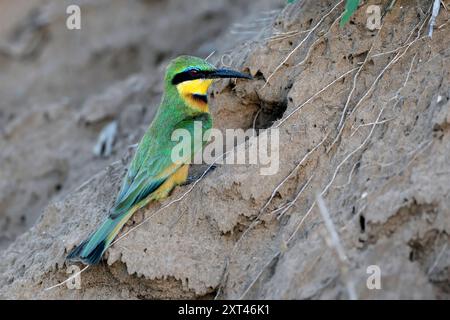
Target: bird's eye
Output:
[(193, 72)]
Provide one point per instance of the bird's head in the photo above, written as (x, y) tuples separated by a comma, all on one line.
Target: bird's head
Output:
[(192, 77)]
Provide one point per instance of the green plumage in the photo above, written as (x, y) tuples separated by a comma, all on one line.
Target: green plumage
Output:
[(152, 164), (350, 8)]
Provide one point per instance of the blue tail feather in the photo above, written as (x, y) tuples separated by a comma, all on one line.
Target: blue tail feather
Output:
[(91, 250)]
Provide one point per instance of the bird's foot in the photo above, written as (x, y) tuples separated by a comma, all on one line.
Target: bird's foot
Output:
[(190, 180)]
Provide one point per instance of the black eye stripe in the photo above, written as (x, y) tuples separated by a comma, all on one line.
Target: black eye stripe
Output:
[(188, 76), (201, 97)]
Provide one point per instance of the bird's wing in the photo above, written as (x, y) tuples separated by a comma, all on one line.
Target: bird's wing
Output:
[(153, 164)]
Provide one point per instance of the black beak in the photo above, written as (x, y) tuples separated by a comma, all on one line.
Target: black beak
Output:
[(227, 73)]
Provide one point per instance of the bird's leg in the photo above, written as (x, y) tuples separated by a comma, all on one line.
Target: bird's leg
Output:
[(195, 178), (177, 178)]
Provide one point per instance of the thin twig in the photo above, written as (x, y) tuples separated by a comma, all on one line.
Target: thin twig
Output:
[(350, 175), (368, 124), (369, 91), (434, 14), (335, 243), (312, 98), (256, 118), (291, 173), (347, 103), (296, 197), (301, 43), (438, 258), (210, 55), (68, 279), (292, 236), (308, 54)]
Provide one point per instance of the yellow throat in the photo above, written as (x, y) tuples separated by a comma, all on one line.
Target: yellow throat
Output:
[(194, 93)]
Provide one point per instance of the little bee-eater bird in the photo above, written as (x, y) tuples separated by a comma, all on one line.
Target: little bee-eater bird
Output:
[(152, 174)]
